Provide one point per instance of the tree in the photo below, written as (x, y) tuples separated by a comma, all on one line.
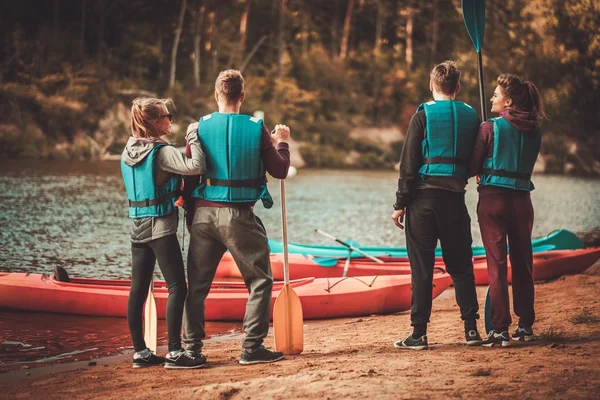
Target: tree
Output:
[(197, 41), (346, 32), (176, 44)]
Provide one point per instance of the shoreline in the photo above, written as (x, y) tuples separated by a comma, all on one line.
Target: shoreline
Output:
[(115, 158), (354, 358)]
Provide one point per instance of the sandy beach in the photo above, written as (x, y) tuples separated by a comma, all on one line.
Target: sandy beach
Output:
[(354, 358)]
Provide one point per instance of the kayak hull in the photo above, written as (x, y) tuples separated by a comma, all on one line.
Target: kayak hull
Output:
[(320, 298), (560, 239), (546, 265)]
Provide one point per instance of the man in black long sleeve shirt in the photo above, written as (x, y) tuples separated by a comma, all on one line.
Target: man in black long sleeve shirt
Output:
[(431, 194)]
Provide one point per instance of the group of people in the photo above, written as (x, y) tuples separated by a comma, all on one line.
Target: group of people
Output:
[(224, 174), (445, 145), (227, 157)]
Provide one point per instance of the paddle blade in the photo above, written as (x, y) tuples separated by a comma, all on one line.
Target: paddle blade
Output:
[(474, 17), (487, 313), (288, 323), (150, 321)]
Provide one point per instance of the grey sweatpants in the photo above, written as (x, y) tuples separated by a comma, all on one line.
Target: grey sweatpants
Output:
[(215, 230)]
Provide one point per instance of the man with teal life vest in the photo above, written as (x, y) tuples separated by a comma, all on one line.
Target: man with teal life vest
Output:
[(431, 194), (239, 151)]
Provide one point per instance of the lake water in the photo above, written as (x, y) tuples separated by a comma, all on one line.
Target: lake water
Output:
[(75, 215)]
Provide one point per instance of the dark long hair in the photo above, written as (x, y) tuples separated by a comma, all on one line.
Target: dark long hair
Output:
[(524, 94)]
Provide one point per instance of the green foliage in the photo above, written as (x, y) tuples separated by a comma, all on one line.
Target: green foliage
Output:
[(61, 84)]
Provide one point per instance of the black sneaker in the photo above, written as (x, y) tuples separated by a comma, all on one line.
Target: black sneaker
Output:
[(260, 355), (412, 343), (184, 360), (523, 333), (148, 361), (497, 339), (472, 338)]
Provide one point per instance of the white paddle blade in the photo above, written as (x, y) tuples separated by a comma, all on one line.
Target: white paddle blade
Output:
[(150, 320), (288, 322)]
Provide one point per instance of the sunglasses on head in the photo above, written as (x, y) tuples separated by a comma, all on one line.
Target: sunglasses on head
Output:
[(169, 115)]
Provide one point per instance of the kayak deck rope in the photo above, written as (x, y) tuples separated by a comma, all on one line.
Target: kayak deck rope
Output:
[(331, 286)]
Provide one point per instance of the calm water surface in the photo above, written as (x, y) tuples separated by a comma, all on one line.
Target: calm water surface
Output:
[(75, 215)]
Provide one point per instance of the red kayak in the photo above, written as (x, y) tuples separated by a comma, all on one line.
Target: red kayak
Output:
[(320, 298), (546, 265)]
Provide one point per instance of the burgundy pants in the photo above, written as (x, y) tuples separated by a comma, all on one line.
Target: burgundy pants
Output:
[(508, 217)]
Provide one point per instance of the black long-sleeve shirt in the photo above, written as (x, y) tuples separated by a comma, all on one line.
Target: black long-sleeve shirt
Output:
[(411, 160)]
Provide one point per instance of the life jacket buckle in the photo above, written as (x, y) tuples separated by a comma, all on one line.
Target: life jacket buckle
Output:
[(208, 182)]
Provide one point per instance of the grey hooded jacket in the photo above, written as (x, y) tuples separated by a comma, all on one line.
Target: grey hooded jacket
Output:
[(170, 161)]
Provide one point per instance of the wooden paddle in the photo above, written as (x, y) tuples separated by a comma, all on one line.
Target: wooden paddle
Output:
[(288, 323), (474, 17), (150, 319), (349, 246)]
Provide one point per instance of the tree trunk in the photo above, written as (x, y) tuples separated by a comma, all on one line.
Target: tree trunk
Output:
[(243, 33), (434, 29), (161, 57), (379, 26), (176, 44), (82, 27), (254, 49), (410, 17), (346, 32), (282, 4), (334, 32), (304, 34), (215, 44), (197, 42)]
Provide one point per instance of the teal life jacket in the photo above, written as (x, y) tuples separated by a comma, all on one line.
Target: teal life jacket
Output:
[(449, 137), (146, 198), (513, 157), (234, 169)]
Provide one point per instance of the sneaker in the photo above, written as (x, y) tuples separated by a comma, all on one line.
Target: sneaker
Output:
[(412, 343), (146, 358), (184, 360), (260, 355), (497, 339), (523, 333), (472, 338)]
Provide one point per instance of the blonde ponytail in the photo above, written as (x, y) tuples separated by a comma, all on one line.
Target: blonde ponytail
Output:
[(143, 111)]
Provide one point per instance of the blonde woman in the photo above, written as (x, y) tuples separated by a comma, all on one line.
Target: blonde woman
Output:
[(152, 170)]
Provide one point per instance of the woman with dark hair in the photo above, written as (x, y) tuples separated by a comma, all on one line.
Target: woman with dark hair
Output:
[(503, 157), (152, 170)]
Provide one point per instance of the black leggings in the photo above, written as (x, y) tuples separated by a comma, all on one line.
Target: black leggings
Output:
[(144, 255)]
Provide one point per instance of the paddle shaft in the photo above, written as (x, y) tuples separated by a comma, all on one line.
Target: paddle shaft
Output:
[(286, 267), (327, 235), (474, 18), (347, 265), (481, 88)]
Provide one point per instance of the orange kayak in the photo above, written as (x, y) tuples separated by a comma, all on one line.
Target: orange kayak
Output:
[(320, 298), (546, 265)]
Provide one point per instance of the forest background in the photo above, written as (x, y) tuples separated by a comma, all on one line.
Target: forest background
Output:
[(346, 75)]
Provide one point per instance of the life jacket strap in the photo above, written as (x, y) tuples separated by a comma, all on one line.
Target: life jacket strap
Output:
[(446, 160), (237, 183), (153, 202), (506, 174)]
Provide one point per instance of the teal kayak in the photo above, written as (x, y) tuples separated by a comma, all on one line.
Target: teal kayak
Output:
[(561, 239)]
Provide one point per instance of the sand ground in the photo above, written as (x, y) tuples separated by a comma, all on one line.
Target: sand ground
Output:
[(355, 359)]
